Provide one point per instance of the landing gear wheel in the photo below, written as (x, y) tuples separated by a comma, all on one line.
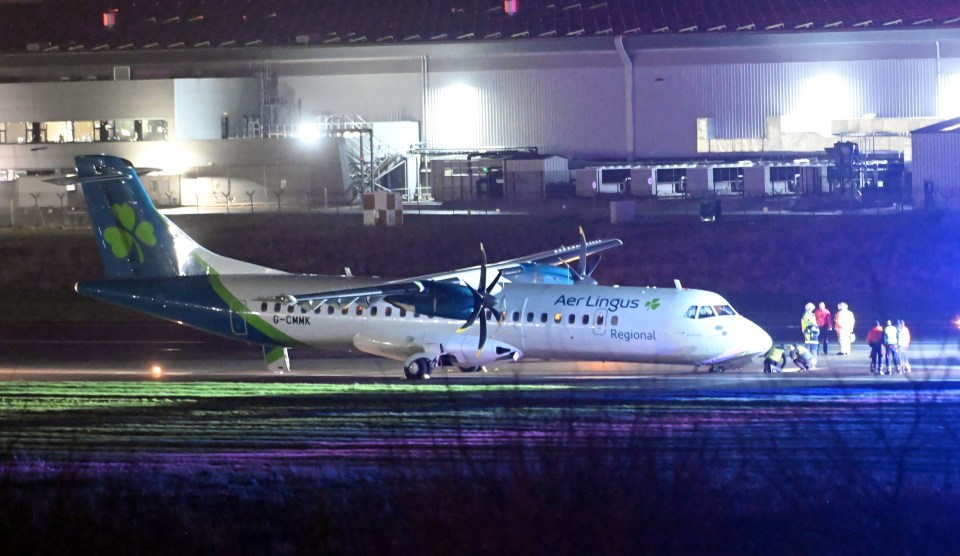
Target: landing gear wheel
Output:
[(474, 369), (716, 369), (418, 370)]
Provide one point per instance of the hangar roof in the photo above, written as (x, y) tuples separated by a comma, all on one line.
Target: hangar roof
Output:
[(94, 25), (947, 126)]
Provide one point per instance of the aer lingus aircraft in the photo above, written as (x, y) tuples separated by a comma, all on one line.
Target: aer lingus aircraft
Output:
[(533, 307)]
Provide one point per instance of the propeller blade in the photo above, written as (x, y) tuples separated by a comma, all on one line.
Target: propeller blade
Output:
[(583, 255), (494, 283), (483, 332), (483, 267)]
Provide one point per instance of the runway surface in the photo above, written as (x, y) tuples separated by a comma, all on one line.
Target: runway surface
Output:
[(90, 400)]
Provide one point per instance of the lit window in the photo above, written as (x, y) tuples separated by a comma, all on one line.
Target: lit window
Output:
[(359, 310), (556, 317), (706, 311)]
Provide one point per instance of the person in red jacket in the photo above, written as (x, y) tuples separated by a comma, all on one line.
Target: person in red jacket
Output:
[(822, 314), (875, 341)]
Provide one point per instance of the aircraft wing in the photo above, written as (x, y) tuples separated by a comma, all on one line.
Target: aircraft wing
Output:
[(561, 255), (446, 284)]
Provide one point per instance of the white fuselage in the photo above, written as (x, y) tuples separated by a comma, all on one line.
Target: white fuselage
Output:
[(578, 322)]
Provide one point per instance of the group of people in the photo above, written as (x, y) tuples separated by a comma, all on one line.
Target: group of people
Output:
[(888, 344), (888, 348)]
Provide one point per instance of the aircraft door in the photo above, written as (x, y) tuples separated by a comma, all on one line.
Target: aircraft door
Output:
[(238, 325), (523, 320), (600, 322)]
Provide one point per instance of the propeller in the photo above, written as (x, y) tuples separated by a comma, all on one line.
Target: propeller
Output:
[(483, 300), (583, 273)]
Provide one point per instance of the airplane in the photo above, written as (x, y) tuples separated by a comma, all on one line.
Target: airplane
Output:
[(534, 307)]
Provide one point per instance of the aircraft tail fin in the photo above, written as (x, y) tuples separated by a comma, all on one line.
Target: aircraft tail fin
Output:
[(135, 240)]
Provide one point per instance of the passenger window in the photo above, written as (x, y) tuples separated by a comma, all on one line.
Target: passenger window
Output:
[(691, 312), (706, 311), (388, 311), (529, 317), (263, 307), (345, 311), (359, 310), (613, 320), (416, 315), (557, 317), (543, 317), (516, 316), (290, 308), (586, 320), (330, 309), (600, 319), (403, 313), (276, 307), (373, 311), (572, 319)]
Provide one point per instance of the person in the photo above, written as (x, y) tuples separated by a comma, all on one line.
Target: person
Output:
[(802, 358), (903, 342), (774, 360), (811, 332), (844, 325), (891, 348), (822, 315), (875, 341)]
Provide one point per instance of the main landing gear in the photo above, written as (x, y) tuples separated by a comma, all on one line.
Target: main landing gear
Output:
[(418, 369)]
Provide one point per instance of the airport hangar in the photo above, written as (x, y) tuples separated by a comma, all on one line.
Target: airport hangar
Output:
[(696, 111)]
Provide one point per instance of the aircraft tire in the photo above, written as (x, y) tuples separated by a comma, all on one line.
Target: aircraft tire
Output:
[(419, 369)]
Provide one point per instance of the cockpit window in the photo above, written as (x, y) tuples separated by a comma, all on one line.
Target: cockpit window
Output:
[(706, 311), (724, 310), (691, 312)]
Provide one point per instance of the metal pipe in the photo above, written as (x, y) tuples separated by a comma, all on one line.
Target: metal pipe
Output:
[(628, 95)]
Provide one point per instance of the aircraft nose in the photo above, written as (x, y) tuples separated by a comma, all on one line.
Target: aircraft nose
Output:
[(759, 342)]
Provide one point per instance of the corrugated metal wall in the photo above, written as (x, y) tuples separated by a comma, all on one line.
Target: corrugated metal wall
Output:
[(936, 158), (558, 110), (574, 105), (741, 96)]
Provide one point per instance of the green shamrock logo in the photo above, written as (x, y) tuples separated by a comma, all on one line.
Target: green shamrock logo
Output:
[(653, 304), (123, 240)]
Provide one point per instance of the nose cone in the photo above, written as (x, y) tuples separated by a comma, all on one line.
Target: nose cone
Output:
[(757, 340)]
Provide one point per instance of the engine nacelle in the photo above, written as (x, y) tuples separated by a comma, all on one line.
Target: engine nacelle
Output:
[(462, 352)]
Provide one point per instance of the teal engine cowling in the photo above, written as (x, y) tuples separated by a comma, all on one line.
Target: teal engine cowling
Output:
[(533, 273), (438, 299)]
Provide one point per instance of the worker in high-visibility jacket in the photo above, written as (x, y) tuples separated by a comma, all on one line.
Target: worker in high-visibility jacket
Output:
[(811, 332), (802, 357), (843, 323), (774, 360), (903, 343), (891, 347)]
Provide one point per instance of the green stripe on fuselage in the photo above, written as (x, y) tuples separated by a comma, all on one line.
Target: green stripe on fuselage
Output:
[(238, 307)]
